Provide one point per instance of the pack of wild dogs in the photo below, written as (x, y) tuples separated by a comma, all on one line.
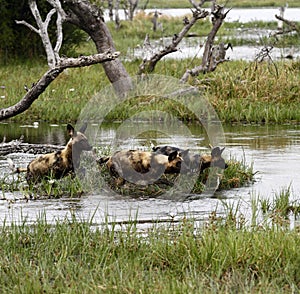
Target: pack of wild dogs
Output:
[(125, 165)]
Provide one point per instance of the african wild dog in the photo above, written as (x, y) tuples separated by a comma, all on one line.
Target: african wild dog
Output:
[(142, 167), (197, 162), (60, 163)]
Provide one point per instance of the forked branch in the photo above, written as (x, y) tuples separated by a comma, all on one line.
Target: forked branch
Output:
[(148, 65), (213, 55), (292, 25)]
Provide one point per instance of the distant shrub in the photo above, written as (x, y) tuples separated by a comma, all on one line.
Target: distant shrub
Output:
[(18, 41)]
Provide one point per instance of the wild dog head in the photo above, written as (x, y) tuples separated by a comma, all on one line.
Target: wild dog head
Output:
[(196, 162), (58, 164), (215, 159), (190, 161), (78, 142)]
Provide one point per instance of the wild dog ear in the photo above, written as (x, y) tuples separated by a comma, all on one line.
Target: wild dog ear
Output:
[(184, 152), (216, 151), (172, 155), (71, 130), (221, 151), (83, 128), (154, 149)]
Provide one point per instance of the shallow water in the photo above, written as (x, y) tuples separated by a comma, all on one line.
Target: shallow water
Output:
[(235, 14), (273, 150), (189, 47)]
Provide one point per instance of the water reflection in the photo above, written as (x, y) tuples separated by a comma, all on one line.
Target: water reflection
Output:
[(273, 150), (42, 133)]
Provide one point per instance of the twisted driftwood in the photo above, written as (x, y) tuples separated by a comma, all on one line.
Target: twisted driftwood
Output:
[(17, 146)]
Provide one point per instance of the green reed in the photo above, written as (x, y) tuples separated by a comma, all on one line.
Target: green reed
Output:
[(223, 254)]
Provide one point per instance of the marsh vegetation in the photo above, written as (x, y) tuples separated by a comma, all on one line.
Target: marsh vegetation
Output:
[(228, 252), (224, 254)]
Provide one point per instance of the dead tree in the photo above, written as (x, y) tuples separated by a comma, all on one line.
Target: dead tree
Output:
[(110, 9), (292, 26), (148, 65), (117, 17), (18, 146), (154, 21), (58, 64), (210, 59), (132, 7), (42, 30), (212, 56)]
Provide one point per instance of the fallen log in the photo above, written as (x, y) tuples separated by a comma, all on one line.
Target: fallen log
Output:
[(17, 146)]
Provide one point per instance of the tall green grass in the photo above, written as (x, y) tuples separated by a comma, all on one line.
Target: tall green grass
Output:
[(223, 255), (239, 91), (255, 92)]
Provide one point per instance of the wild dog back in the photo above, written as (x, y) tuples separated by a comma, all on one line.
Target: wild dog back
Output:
[(137, 165), (58, 164)]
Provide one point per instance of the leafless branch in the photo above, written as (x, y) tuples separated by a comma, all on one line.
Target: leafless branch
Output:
[(57, 5), (39, 87), (43, 31), (197, 6), (61, 17), (210, 59), (292, 25), (32, 28), (148, 65)]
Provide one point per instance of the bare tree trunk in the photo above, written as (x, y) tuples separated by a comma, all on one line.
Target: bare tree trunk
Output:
[(117, 17), (42, 30), (89, 18), (132, 7), (145, 5), (154, 21), (292, 26), (110, 10), (17, 146)]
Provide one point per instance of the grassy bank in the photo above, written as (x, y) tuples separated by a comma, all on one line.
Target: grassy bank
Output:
[(239, 91), (226, 254)]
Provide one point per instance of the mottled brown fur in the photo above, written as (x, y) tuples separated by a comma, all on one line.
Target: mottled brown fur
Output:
[(60, 163), (196, 162), (142, 166)]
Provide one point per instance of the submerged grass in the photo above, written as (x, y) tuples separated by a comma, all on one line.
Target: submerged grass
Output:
[(238, 174), (225, 255)]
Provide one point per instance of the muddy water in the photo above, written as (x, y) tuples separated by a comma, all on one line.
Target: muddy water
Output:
[(273, 150)]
